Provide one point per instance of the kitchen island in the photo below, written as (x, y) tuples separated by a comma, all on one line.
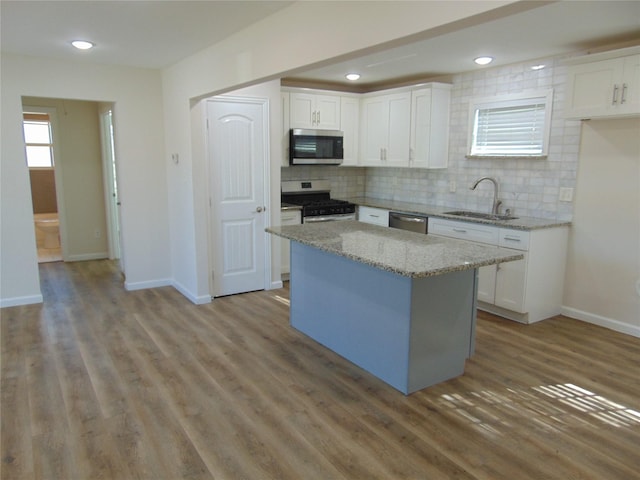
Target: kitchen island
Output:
[(401, 305)]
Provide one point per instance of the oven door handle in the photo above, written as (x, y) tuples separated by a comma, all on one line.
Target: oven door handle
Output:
[(329, 218)]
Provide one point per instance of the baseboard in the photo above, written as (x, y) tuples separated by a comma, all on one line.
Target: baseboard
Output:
[(275, 285), (130, 286), (601, 321), (198, 300), (17, 301), (87, 256)]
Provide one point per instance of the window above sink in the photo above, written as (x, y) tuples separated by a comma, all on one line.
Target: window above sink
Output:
[(510, 126)]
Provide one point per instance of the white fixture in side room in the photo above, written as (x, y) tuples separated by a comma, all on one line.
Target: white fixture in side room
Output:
[(483, 60), (82, 44), (352, 76), (537, 67)]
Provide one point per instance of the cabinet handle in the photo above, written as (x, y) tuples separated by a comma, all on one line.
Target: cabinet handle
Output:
[(313, 118), (374, 216), (512, 239), (614, 100), (459, 230), (624, 92), (318, 117)]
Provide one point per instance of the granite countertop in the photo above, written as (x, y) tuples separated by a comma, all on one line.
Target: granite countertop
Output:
[(398, 251), (520, 223)]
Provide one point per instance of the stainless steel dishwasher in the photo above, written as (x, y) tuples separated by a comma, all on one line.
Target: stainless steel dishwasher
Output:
[(405, 221)]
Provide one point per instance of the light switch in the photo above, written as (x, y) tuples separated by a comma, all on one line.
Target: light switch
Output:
[(566, 194)]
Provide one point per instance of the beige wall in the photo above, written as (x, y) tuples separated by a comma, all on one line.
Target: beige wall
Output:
[(79, 165), (603, 269), (136, 95), (43, 190)]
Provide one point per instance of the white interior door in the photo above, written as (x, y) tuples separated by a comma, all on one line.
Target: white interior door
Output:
[(111, 186), (238, 154)]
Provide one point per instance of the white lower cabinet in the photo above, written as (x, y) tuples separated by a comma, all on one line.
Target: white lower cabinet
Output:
[(527, 290), (376, 216), (287, 217)]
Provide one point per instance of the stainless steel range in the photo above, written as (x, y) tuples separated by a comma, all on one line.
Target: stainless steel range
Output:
[(314, 196)]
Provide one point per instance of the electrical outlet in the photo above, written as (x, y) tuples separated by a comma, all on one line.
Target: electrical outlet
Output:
[(566, 194), (97, 233), (452, 186)]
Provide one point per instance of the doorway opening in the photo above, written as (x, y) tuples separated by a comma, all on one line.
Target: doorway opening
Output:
[(69, 147), (38, 129)]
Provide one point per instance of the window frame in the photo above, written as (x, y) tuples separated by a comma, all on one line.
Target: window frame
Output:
[(26, 113), (511, 100)]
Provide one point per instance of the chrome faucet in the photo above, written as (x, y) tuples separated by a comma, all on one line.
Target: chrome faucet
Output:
[(497, 203)]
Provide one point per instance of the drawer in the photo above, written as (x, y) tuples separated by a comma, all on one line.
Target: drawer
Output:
[(290, 217), (464, 230), (376, 216), (516, 239)]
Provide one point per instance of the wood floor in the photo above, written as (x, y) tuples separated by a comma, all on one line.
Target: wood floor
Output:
[(99, 383)]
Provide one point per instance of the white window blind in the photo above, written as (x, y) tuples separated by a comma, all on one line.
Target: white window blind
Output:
[(511, 127)]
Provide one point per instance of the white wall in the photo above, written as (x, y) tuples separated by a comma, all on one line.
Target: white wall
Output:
[(602, 282), (139, 151), (268, 50)]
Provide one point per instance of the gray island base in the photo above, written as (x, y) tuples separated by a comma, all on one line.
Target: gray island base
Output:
[(400, 305)]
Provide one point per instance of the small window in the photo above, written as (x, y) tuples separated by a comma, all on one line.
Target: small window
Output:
[(510, 125), (38, 140)]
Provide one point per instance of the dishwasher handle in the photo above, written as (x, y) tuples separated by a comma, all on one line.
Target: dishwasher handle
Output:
[(403, 221), (405, 218)]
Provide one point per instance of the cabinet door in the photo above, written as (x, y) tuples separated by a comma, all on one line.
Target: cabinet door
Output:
[(302, 109), (398, 125), (429, 128), (376, 216), (286, 125), (287, 217), (511, 285), (487, 283), (327, 110), (630, 95), (594, 88), (349, 123), (373, 137)]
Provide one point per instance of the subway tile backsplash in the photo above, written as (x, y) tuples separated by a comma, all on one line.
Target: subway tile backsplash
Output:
[(528, 187)]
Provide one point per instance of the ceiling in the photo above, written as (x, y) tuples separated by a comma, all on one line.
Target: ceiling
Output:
[(155, 34), (148, 34)]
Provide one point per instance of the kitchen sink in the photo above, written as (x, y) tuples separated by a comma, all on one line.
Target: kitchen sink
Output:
[(484, 216)]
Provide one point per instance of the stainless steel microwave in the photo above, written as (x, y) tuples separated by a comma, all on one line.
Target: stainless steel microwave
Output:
[(315, 147)]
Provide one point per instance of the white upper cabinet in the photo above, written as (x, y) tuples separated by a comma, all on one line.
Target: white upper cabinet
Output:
[(349, 124), (402, 127), (310, 110), (409, 128), (605, 88), (430, 127), (384, 133)]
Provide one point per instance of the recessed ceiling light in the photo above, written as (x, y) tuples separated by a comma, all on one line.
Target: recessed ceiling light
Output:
[(352, 76), (82, 44), (537, 67), (483, 60)]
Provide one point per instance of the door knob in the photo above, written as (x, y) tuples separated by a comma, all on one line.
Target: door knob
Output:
[(259, 209)]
